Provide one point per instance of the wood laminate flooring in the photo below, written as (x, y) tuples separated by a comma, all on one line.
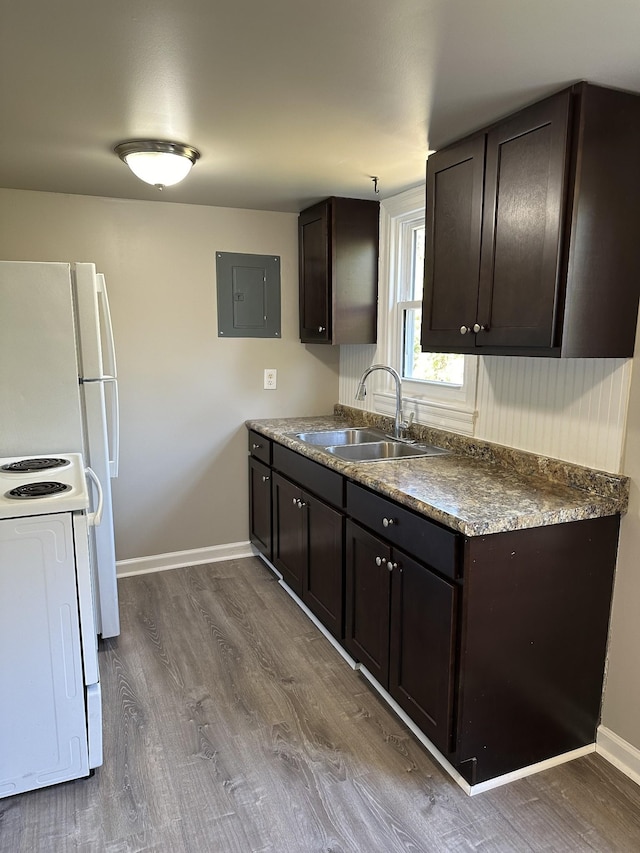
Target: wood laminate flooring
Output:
[(233, 726)]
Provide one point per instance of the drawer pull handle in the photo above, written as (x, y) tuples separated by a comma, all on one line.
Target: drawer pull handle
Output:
[(388, 522), (381, 561), (265, 478)]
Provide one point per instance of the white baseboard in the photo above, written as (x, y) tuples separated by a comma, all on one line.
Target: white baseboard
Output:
[(180, 559), (619, 752), (479, 787)]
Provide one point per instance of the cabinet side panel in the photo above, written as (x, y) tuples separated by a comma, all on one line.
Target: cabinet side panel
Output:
[(355, 237), (536, 615), (604, 262), (314, 259)]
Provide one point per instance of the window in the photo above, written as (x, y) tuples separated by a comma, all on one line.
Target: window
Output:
[(439, 388), (418, 365)]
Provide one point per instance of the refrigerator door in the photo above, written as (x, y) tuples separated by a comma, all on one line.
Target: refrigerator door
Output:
[(93, 328), (101, 538), (40, 409)]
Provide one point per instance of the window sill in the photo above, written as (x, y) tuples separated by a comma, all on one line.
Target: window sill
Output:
[(454, 418)]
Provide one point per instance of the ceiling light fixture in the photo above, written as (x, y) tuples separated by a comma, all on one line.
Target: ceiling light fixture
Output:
[(161, 164)]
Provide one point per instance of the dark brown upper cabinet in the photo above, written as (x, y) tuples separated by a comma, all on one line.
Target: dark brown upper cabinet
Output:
[(338, 247), (531, 238)]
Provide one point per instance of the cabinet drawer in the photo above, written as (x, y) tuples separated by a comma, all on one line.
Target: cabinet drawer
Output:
[(424, 539), (321, 481), (260, 447)]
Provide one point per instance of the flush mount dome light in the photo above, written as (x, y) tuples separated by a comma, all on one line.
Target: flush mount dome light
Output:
[(161, 164)]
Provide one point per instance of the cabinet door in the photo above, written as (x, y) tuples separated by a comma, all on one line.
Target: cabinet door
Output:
[(323, 590), (452, 254), (368, 594), (289, 555), (260, 506), (524, 201), (313, 247), (422, 662)]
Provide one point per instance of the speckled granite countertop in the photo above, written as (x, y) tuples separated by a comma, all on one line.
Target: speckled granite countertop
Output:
[(479, 488)]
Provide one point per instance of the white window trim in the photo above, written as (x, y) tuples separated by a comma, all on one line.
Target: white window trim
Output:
[(433, 404)]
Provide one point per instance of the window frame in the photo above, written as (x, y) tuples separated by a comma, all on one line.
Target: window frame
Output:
[(433, 403)]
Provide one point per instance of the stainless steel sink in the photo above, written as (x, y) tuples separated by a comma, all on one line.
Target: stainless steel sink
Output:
[(334, 437), (379, 451)]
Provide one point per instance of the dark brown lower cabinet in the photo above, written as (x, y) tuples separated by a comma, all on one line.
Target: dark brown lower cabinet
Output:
[(401, 624), (289, 551), (308, 550), (260, 506), (423, 647), (368, 599), (493, 645)]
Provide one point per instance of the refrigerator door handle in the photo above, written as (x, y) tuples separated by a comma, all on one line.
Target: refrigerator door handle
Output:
[(113, 434), (109, 352), (94, 518)]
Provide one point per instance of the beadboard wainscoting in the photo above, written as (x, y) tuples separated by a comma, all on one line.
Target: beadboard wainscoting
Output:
[(354, 360), (570, 409)]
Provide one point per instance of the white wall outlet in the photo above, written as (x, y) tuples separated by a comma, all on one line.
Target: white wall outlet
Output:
[(270, 379)]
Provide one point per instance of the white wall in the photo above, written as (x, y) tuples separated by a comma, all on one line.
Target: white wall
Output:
[(621, 708), (185, 393)]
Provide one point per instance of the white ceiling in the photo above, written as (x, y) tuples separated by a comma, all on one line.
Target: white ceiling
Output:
[(288, 101)]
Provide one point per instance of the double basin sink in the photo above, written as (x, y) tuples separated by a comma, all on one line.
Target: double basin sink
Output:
[(362, 444)]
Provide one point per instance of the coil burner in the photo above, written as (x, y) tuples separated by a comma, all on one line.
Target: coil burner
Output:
[(29, 466), (43, 489)]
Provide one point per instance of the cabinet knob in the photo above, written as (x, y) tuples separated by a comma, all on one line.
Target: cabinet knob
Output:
[(388, 522), (380, 561), (322, 328), (300, 504), (478, 328), (294, 501), (256, 446), (265, 478), (464, 330), (391, 566)]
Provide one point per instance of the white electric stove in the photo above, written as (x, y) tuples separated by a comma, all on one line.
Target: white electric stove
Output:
[(50, 701), (33, 485)]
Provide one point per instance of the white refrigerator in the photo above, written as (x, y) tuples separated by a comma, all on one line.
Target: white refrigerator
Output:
[(58, 386)]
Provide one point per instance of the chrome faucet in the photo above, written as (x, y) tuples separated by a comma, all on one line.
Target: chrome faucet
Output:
[(400, 426)]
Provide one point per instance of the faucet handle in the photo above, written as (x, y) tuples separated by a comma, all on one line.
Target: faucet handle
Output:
[(404, 425)]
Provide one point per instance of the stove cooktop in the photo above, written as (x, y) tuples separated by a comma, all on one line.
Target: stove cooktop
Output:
[(35, 485)]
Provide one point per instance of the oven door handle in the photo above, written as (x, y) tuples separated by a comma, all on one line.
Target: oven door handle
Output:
[(94, 518)]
